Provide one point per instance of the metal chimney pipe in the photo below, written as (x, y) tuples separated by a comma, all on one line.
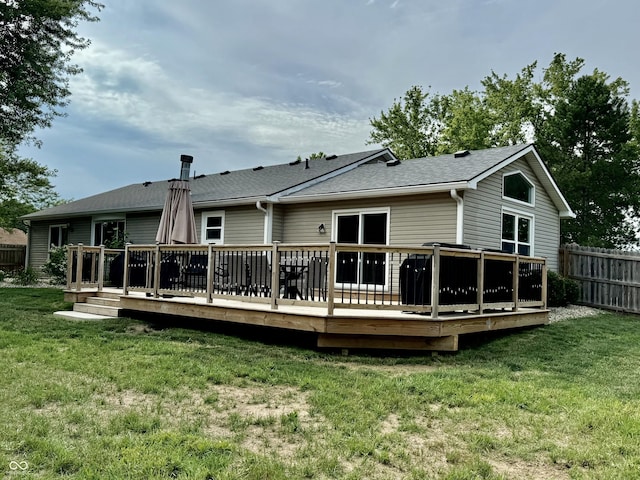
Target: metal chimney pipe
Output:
[(186, 160)]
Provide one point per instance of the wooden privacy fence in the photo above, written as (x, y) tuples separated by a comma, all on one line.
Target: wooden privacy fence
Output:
[(607, 278), (12, 257)]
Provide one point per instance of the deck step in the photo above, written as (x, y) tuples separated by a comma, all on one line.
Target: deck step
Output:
[(105, 301), (72, 315), (103, 310)]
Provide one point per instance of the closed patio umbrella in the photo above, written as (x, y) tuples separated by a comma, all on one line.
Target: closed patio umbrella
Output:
[(177, 223)]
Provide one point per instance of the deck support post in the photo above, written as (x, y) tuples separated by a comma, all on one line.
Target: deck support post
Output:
[(544, 284), (435, 281), (480, 284), (331, 287), (156, 271), (101, 269), (70, 250), (79, 268), (211, 265), (516, 282), (125, 271), (275, 275)]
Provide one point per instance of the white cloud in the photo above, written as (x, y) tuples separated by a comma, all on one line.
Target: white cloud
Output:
[(139, 93)]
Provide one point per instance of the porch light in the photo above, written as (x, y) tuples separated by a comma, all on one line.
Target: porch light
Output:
[(321, 228)]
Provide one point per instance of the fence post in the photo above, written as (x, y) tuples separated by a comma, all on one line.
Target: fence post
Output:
[(79, 268), (275, 275), (101, 268), (331, 286), (435, 281)]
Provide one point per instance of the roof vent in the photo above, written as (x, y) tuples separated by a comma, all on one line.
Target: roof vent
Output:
[(255, 169), (296, 162), (461, 153), (226, 172), (331, 157), (393, 163), (146, 184)]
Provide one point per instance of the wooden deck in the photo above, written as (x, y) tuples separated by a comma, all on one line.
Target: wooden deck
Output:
[(345, 328), (350, 296)]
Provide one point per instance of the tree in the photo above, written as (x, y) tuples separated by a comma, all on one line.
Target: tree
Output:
[(583, 127), (466, 122), (587, 143), (411, 127), (313, 156), (37, 40), (25, 187)]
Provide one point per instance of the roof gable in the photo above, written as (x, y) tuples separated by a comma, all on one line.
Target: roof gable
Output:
[(431, 174)]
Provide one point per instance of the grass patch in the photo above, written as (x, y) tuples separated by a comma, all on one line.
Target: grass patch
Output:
[(115, 400)]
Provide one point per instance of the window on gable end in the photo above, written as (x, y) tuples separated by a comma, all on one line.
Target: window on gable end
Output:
[(516, 186)]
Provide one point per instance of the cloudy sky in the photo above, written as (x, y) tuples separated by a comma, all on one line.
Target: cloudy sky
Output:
[(241, 83)]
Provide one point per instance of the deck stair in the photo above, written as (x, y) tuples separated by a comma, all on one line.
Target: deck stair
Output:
[(99, 307)]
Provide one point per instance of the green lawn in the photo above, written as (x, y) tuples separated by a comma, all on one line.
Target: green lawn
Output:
[(123, 399)]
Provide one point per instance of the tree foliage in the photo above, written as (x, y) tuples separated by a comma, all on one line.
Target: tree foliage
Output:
[(37, 41), (411, 127), (583, 126), (25, 187)]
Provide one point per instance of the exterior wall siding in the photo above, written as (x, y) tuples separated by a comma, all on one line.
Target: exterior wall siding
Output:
[(278, 223), (142, 228), (414, 220), (242, 225), (483, 214), (79, 232)]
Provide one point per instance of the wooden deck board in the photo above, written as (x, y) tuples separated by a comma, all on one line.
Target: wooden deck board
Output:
[(347, 327)]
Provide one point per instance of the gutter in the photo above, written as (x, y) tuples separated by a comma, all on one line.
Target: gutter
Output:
[(378, 192)]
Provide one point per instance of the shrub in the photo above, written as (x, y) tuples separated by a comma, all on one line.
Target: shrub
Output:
[(561, 291), (56, 266), (27, 276), (1, 275)]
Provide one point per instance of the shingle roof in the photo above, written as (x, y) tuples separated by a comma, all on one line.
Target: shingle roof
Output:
[(235, 185), (443, 169)]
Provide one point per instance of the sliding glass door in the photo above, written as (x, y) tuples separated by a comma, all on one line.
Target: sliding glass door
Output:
[(361, 227)]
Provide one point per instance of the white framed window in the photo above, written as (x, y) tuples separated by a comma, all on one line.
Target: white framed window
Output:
[(58, 235), (366, 226), (517, 187), (517, 232), (212, 227), (108, 230)]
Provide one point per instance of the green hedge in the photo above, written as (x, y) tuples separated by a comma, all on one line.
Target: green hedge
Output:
[(561, 291)]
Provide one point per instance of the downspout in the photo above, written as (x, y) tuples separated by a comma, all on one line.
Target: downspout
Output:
[(268, 221), (459, 216), (27, 257)]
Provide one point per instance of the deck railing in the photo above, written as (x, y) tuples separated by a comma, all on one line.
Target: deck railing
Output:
[(428, 279), (96, 267)]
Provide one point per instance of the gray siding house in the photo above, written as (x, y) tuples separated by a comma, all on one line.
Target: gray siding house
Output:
[(500, 198)]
